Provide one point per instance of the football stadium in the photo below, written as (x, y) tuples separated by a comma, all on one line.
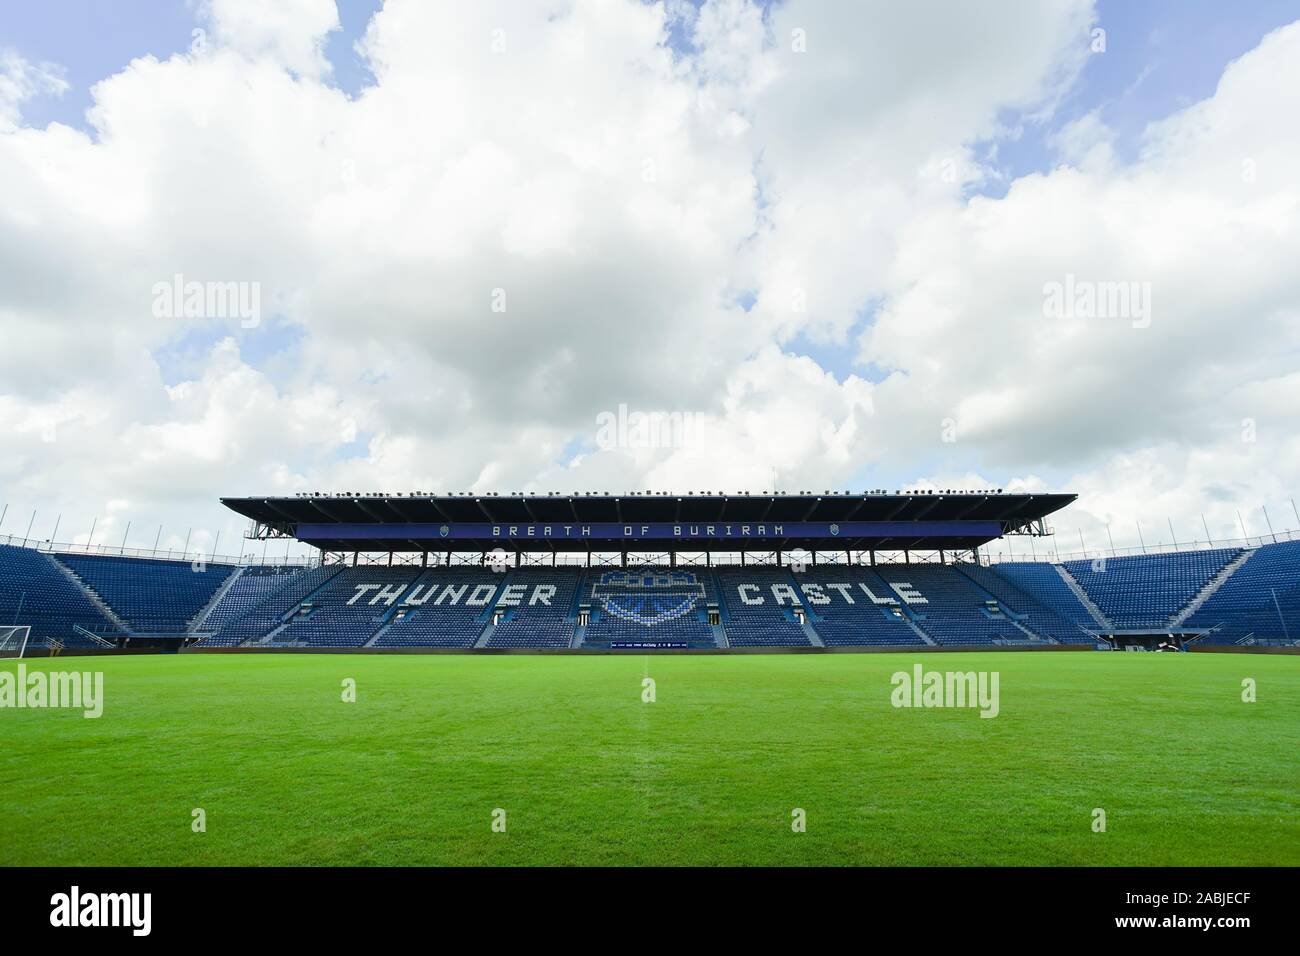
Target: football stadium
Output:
[(867, 442), (650, 679), (601, 573)]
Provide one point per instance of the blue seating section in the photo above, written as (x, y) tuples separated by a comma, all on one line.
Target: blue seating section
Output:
[(1041, 614), (1146, 591), (954, 611), (853, 607), (539, 607), (350, 609), (1043, 582), (756, 616), (151, 596), (446, 607), (650, 606), (253, 586), (33, 591), (964, 604), (1244, 607), (266, 616)]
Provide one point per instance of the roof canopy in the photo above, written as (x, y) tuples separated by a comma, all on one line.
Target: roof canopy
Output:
[(649, 522)]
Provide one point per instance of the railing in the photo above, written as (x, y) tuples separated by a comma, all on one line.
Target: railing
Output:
[(93, 636), (194, 555), (990, 554), (993, 553)]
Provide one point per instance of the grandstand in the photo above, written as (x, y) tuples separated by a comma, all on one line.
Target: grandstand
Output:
[(713, 573), (652, 607)]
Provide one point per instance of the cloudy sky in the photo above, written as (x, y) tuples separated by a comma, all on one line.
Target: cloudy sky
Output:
[(833, 238)]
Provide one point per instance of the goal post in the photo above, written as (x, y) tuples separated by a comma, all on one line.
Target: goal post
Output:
[(13, 640)]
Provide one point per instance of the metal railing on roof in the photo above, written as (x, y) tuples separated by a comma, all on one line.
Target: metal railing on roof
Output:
[(55, 547), (992, 554)]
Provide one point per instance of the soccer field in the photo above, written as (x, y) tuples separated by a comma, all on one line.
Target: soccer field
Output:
[(287, 772)]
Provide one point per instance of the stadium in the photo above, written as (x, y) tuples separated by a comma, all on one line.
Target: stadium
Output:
[(866, 443), (644, 572), (694, 640)]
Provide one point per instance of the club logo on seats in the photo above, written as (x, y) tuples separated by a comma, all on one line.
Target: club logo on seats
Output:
[(648, 597)]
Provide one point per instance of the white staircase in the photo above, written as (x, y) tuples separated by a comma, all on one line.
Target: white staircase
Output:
[(1211, 586), (1082, 595), (196, 623), (920, 633), (91, 593), (1040, 638)]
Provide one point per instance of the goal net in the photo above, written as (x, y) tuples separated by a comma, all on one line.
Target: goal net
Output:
[(13, 640)]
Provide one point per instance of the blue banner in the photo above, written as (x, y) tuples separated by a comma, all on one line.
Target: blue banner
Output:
[(738, 531)]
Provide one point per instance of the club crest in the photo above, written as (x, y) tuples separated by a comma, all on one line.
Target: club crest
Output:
[(648, 597)]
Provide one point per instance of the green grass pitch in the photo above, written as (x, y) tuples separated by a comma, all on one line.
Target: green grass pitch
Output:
[(587, 773)]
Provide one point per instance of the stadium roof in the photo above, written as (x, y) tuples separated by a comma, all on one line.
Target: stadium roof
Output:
[(649, 522)]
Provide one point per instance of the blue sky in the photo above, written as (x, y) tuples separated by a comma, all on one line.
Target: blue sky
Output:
[(1160, 55), (92, 39)]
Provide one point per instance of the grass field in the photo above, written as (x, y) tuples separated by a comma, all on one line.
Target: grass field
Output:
[(709, 773)]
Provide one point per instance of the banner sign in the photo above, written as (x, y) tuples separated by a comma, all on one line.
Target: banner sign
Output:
[(505, 533)]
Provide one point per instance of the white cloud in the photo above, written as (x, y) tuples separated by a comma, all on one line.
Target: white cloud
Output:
[(623, 201), (20, 80), (289, 32)]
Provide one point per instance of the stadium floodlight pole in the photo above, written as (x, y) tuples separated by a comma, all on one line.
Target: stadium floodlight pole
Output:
[(1281, 617)]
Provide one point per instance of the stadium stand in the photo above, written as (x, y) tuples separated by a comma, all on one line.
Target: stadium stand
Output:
[(150, 595), (1261, 600), (1044, 585), (651, 606), (951, 609), (758, 607), (853, 607), (1219, 596), (349, 610), (266, 616), (538, 608), (253, 586), (1146, 591), (34, 591), (446, 607), (1042, 614)]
